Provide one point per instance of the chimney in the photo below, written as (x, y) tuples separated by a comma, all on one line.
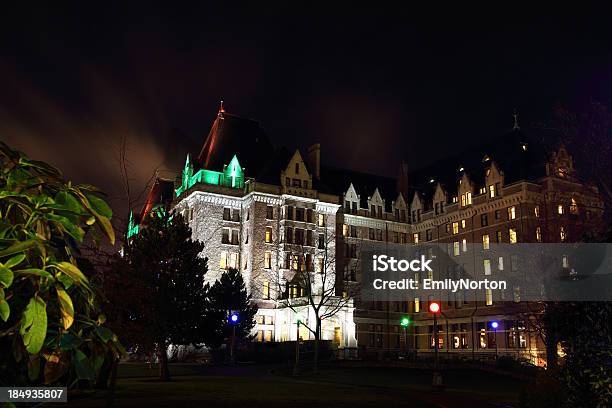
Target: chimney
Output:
[(402, 179), (314, 159)]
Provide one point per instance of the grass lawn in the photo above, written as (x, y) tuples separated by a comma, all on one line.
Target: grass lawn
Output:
[(476, 384), (213, 391), (255, 386)]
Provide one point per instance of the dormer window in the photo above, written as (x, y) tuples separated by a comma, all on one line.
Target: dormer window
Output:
[(562, 172), (573, 206), (492, 191), (297, 168)]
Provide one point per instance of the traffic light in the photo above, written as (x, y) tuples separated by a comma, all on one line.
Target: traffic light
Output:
[(405, 322), (434, 307)]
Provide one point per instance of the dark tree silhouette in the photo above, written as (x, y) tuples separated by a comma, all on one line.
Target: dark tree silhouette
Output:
[(166, 300), (227, 295)]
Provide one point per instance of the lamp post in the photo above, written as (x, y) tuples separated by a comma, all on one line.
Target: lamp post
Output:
[(495, 325), (297, 346), (434, 308), (233, 320), (404, 323)]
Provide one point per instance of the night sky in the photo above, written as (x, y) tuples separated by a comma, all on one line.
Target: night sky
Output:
[(373, 85)]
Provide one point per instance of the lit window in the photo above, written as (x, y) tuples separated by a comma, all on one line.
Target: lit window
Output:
[(573, 207), (489, 297), (512, 234), (266, 290), (455, 227), (560, 209), (500, 263), (512, 213), (415, 237), (417, 305), (456, 248), (538, 234), (345, 230), (454, 199), (464, 242), (487, 266), (485, 241), (562, 234), (321, 220), (469, 198), (223, 260), (267, 260), (482, 190), (268, 234), (565, 261), (536, 211), (492, 191), (463, 224), (320, 264), (463, 200), (233, 261)]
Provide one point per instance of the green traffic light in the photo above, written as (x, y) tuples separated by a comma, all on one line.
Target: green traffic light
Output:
[(405, 322)]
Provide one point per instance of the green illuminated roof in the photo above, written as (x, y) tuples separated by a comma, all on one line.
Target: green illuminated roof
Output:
[(232, 176)]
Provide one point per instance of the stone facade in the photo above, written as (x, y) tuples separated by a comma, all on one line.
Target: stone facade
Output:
[(309, 218), (268, 232)]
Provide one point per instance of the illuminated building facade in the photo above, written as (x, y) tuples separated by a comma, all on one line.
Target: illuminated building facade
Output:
[(268, 212)]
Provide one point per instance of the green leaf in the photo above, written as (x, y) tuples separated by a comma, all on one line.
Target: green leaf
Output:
[(18, 247), (71, 228), (14, 261), (34, 325), (108, 228), (99, 205), (66, 307), (65, 200), (73, 272), (69, 341), (5, 310), (104, 333), (82, 366), (6, 276), (65, 279), (35, 272)]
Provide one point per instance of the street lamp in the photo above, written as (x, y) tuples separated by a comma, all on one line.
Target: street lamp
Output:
[(297, 345), (404, 323), (434, 308), (234, 318), (495, 325)]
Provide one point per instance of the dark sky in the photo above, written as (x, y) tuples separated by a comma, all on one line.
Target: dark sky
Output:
[(373, 85)]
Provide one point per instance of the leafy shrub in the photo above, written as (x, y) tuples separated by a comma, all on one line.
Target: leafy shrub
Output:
[(50, 328)]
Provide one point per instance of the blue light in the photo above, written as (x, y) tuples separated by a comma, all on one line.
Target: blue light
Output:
[(234, 318), (494, 324)]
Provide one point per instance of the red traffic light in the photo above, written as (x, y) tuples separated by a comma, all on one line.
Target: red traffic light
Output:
[(434, 307)]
